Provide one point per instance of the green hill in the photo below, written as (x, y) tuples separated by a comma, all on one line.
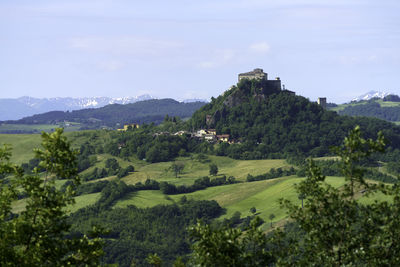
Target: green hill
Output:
[(385, 109), (275, 123), (147, 111)]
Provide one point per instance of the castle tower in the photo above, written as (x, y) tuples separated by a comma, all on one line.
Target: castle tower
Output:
[(322, 102), (254, 74)]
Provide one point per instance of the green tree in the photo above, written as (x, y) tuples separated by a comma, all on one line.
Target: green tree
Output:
[(213, 169), (177, 167), (339, 230), (271, 217), (335, 228), (229, 246), (253, 210), (112, 165), (154, 260), (38, 236), (302, 196)]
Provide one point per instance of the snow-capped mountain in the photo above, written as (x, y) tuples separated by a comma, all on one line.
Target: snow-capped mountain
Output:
[(14, 109), (370, 95)]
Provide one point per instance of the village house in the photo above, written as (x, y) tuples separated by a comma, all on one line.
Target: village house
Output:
[(223, 138), (212, 131), (126, 127), (210, 137), (180, 133)]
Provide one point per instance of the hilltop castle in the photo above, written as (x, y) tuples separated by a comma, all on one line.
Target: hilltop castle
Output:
[(259, 74)]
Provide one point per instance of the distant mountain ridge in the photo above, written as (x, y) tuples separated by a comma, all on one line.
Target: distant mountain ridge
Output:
[(370, 95), (17, 108), (146, 111)]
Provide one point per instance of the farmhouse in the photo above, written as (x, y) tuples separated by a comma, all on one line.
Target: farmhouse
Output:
[(127, 126)]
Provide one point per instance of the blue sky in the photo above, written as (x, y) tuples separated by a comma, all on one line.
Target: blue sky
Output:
[(195, 49)]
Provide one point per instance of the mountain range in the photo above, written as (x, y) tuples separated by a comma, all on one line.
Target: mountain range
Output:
[(370, 95), (113, 115), (17, 108)]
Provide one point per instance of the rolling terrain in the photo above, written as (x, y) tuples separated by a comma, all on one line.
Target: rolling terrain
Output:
[(376, 108), (239, 197), (111, 116)]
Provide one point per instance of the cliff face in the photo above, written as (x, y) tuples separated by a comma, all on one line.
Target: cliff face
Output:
[(247, 91), (236, 98)]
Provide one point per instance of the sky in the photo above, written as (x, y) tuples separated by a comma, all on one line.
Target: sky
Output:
[(195, 49)]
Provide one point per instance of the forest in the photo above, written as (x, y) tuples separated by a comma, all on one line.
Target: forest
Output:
[(373, 109)]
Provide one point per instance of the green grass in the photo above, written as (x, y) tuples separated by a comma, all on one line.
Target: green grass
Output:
[(195, 169), (388, 103), (144, 199), (263, 195), (343, 106), (83, 201), (22, 145), (36, 127), (379, 197)]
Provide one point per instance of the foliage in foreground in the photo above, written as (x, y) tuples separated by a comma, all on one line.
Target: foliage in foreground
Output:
[(38, 236), (336, 230), (136, 232)]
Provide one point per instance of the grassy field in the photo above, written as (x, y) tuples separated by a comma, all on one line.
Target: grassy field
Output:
[(263, 195), (380, 102), (195, 169), (343, 106), (144, 199), (83, 201), (240, 197), (388, 103), (36, 127), (22, 145)]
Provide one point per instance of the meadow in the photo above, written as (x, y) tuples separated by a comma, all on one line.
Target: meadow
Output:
[(240, 197), (37, 128)]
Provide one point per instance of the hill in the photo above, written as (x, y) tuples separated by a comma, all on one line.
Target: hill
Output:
[(147, 111), (387, 108), (269, 122), (17, 108)]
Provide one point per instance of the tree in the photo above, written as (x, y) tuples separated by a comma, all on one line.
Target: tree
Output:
[(339, 230), (38, 236), (130, 168), (213, 169), (333, 228), (253, 210), (122, 173), (154, 259), (177, 167), (302, 196), (229, 246), (271, 217), (112, 165)]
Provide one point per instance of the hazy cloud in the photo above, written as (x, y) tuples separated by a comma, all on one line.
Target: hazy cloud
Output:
[(220, 58), (260, 48), (130, 45), (111, 65)]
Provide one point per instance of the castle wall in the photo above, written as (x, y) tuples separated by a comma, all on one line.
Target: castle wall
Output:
[(259, 76), (274, 84)]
